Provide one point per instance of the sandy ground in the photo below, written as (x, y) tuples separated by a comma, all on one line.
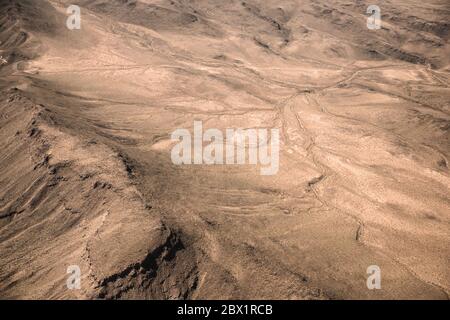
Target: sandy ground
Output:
[(86, 176)]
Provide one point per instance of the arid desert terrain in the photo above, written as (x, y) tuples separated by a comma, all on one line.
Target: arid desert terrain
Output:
[(87, 178)]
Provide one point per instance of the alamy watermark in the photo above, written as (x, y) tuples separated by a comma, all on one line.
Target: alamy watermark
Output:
[(232, 147), (374, 279), (73, 282), (374, 21), (73, 22)]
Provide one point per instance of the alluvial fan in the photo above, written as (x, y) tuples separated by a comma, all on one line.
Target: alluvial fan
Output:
[(208, 149)]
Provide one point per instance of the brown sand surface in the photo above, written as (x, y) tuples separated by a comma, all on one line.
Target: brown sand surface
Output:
[(86, 177)]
